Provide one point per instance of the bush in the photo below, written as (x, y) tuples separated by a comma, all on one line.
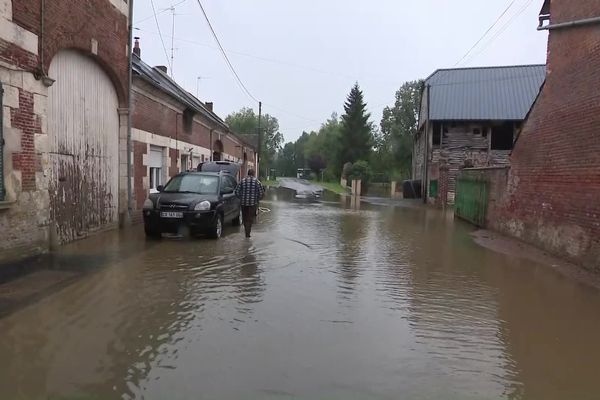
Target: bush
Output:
[(330, 176), (347, 170), (361, 170)]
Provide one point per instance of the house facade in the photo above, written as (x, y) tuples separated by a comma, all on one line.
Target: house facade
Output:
[(173, 131), (63, 76), (471, 117), (552, 193), (64, 168)]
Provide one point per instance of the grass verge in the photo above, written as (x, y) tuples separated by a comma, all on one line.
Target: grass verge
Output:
[(334, 187), (270, 183)]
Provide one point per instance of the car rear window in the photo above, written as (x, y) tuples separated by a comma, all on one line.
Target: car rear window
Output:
[(202, 184)]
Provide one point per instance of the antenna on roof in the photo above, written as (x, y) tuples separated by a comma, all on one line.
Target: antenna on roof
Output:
[(172, 40)]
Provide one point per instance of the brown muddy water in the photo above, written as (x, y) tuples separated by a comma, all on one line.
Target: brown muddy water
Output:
[(326, 301)]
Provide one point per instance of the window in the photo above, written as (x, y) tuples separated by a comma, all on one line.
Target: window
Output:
[(233, 182), (502, 136), (155, 177), (437, 134), (185, 164), (227, 185), (155, 160), (193, 183)]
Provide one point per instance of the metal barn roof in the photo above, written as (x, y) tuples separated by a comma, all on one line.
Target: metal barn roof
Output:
[(487, 93)]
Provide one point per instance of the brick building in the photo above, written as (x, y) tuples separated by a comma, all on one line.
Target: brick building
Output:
[(471, 116), (173, 131), (554, 184), (550, 197), (63, 71)]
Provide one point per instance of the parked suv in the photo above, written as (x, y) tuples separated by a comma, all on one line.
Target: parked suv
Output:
[(201, 202), (220, 166)]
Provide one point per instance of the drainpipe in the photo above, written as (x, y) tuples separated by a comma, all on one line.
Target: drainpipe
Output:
[(42, 32), (129, 111), (211, 145), (581, 22), (2, 193), (424, 188)]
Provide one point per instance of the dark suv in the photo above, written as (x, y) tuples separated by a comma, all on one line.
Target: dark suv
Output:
[(199, 202)]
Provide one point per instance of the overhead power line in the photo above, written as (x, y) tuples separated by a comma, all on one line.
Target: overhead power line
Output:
[(505, 26), (486, 32), (231, 68), (160, 12), (160, 33)]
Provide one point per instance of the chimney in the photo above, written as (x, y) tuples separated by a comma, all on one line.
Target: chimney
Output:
[(209, 105), (162, 68), (136, 47)]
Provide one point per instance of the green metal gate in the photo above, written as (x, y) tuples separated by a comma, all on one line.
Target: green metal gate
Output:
[(471, 199)]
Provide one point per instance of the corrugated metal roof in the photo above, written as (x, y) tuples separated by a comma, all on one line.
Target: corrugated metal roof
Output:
[(488, 93)]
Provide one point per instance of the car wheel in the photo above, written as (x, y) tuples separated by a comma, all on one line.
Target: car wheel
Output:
[(217, 230), (237, 221), (152, 234)]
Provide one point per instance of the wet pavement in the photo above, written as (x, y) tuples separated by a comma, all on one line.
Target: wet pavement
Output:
[(301, 186), (331, 300)]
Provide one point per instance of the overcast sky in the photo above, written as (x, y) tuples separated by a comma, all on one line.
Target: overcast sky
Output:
[(300, 58)]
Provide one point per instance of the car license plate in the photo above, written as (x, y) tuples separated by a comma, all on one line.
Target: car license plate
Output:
[(171, 214)]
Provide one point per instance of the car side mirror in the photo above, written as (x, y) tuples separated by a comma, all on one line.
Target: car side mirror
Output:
[(227, 191), (160, 188)]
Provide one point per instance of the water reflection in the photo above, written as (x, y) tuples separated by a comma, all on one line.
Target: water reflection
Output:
[(328, 300)]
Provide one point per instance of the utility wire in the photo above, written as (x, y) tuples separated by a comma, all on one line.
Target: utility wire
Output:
[(233, 71), (272, 60), (486, 32), (505, 27), (160, 34), (160, 12)]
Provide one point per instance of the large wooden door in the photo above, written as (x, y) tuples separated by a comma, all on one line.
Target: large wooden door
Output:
[(83, 129)]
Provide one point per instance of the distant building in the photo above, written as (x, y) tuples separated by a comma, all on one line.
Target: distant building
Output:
[(471, 116)]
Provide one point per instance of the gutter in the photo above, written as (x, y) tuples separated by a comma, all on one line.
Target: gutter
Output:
[(425, 182), (2, 192), (572, 24), (129, 111)]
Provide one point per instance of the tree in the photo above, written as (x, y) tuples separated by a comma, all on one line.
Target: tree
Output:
[(356, 130), (399, 127), (286, 160), (245, 122)]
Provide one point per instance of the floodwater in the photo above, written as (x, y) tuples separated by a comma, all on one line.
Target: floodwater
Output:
[(327, 301)]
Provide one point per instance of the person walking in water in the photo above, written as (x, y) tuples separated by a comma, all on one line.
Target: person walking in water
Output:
[(250, 191)]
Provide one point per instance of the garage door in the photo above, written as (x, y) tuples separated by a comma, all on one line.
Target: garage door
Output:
[(83, 130)]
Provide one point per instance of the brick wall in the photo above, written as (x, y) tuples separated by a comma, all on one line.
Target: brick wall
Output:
[(98, 29), (75, 24), (554, 185), (151, 115), (24, 119)]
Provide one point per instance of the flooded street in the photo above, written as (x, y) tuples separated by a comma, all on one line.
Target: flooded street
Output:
[(328, 300)]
